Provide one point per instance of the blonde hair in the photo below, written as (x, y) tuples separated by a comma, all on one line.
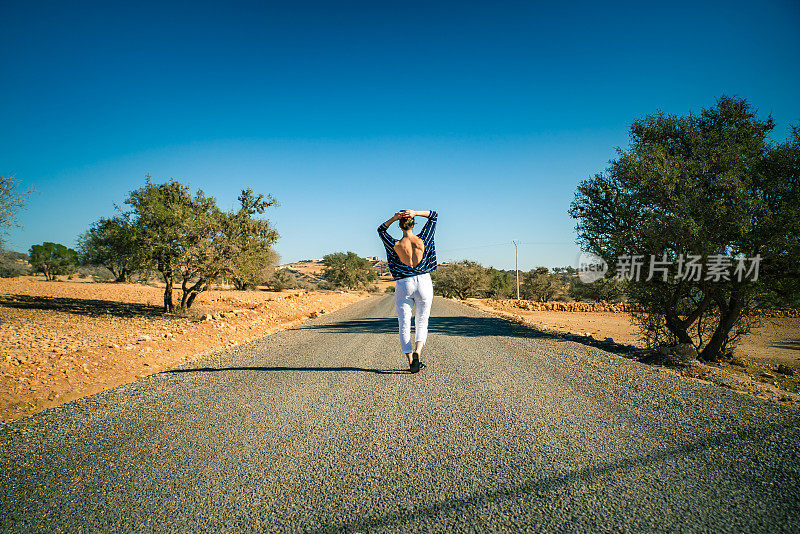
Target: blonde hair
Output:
[(406, 223)]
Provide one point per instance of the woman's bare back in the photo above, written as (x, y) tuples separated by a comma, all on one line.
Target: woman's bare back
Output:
[(410, 250)]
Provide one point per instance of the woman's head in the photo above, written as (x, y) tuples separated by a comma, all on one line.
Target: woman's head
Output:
[(406, 223)]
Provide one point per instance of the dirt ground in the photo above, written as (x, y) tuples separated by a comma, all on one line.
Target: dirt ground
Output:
[(63, 340), (754, 370)]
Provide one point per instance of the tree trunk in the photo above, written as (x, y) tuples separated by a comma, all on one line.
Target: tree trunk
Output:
[(191, 298), (730, 313), (122, 276), (184, 294), (190, 293), (674, 325), (168, 306), (680, 327)]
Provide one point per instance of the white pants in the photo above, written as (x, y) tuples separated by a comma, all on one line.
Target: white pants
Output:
[(413, 293)]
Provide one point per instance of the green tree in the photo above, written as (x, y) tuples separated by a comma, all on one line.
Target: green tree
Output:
[(502, 284), (53, 259), (167, 218), (704, 184), (537, 284), (115, 244), (348, 270), (463, 279), (251, 240), (190, 239), (605, 289)]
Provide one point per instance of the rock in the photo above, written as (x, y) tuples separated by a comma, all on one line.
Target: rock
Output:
[(768, 376), (206, 317), (144, 337), (680, 355), (784, 370), (737, 361), (686, 351)]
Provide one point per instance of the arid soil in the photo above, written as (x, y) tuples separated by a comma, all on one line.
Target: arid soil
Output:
[(754, 370), (63, 340)]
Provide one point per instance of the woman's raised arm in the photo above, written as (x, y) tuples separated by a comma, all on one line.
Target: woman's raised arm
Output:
[(395, 217), (412, 213)]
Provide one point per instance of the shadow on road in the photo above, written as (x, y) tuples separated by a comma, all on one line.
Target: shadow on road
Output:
[(794, 345), (356, 369), (92, 308), (459, 326), (586, 475)]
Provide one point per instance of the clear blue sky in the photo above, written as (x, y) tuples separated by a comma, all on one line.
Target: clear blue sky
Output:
[(489, 112)]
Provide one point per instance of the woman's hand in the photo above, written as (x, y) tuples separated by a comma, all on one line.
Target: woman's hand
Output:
[(405, 213)]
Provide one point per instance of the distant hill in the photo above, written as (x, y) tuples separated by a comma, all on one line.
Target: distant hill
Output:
[(13, 263)]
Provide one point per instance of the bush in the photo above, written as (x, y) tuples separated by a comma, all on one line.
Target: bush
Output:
[(605, 289), (282, 279), (348, 270), (374, 289), (539, 285), (389, 289), (465, 279), (98, 272), (502, 284)]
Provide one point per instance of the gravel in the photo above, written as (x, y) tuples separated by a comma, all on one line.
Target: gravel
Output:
[(321, 428)]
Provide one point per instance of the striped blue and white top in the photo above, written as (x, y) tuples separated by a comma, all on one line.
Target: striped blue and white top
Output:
[(427, 263)]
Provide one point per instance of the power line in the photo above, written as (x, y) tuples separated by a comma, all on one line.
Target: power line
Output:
[(506, 243), (476, 246)]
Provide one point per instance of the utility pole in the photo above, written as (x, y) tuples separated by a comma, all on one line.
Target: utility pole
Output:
[(516, 264)]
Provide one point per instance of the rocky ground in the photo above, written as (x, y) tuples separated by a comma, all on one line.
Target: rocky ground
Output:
[(63, 340), (766, 362)]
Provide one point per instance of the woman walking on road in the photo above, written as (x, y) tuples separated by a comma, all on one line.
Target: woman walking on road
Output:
[(411, 260)]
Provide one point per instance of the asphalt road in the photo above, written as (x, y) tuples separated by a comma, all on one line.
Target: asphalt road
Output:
[(320, 428)]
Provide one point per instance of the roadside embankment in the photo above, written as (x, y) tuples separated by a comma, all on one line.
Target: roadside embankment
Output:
[(766, 362)]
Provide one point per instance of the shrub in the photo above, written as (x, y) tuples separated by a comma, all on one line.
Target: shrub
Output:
[(348, 270), (464, 279), (282, 279)]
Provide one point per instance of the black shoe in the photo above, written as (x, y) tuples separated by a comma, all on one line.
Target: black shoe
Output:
[(415, 363)]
